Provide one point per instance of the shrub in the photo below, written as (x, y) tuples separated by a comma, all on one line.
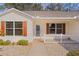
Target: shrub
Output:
[(1, 42), (13, 43), (73, 53), (22, 42), (7, 42)]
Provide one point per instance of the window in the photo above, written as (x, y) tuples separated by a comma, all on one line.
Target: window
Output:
[(14, 28), (9, 24), (9, 28), (55, 28), (18, 24), (59, 28), (18, 28)]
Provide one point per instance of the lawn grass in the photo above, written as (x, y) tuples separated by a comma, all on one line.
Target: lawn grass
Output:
[(73, 53)]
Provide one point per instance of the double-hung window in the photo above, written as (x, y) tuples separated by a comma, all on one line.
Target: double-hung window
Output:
[(9, 28), (18, 28), (14, 28)]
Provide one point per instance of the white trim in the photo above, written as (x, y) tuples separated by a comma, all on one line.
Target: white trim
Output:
[(22, 12), (17, 11), (55, 18), (13, 28), (56, 27), (37, 31)]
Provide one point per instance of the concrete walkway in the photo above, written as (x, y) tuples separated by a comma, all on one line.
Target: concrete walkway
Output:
[(14, 50), (40, 49), (56, 49), (37, 49)]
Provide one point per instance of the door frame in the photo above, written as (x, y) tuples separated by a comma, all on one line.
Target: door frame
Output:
[(39, 33)]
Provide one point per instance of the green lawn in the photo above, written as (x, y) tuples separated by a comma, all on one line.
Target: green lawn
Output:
[(73, 53)]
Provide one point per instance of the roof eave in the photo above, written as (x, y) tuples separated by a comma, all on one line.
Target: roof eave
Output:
[(54, 18), (17, 11)]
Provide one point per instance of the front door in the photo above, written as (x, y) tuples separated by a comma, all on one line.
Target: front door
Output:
[(37, 30)]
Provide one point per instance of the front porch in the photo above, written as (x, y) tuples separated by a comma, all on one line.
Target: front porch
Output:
[(57, 38), (60, 30)]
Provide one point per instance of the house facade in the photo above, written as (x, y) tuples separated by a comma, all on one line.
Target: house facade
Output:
[(30, 25)]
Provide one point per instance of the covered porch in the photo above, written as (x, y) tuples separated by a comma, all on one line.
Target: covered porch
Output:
[(58, 30)]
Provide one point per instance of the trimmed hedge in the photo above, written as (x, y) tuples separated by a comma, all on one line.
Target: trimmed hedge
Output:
[(7, 42), (1, 42), (73, 53), (22, 42)]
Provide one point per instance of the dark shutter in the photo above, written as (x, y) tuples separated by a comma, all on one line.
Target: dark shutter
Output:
[(47, 31), (64, 27)]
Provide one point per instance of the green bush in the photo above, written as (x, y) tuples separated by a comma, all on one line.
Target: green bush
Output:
[(13, 43), (22, 42), (1, 42), (73, 53), (7, 42)]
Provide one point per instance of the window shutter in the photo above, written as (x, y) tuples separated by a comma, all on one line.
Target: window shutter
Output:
[(24, 28), (47, 31), (64, 28), (3, 27)]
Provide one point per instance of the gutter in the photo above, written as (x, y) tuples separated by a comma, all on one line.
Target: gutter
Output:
[(54, 17)]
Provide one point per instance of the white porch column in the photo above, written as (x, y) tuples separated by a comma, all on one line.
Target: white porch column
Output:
[(61, 38)]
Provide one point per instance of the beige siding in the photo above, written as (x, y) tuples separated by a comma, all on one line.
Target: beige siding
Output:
[(42, 23), (74, 29)]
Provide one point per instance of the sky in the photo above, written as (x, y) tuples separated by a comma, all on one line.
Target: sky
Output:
[(45, 4), (1, 11), (74, 6)]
